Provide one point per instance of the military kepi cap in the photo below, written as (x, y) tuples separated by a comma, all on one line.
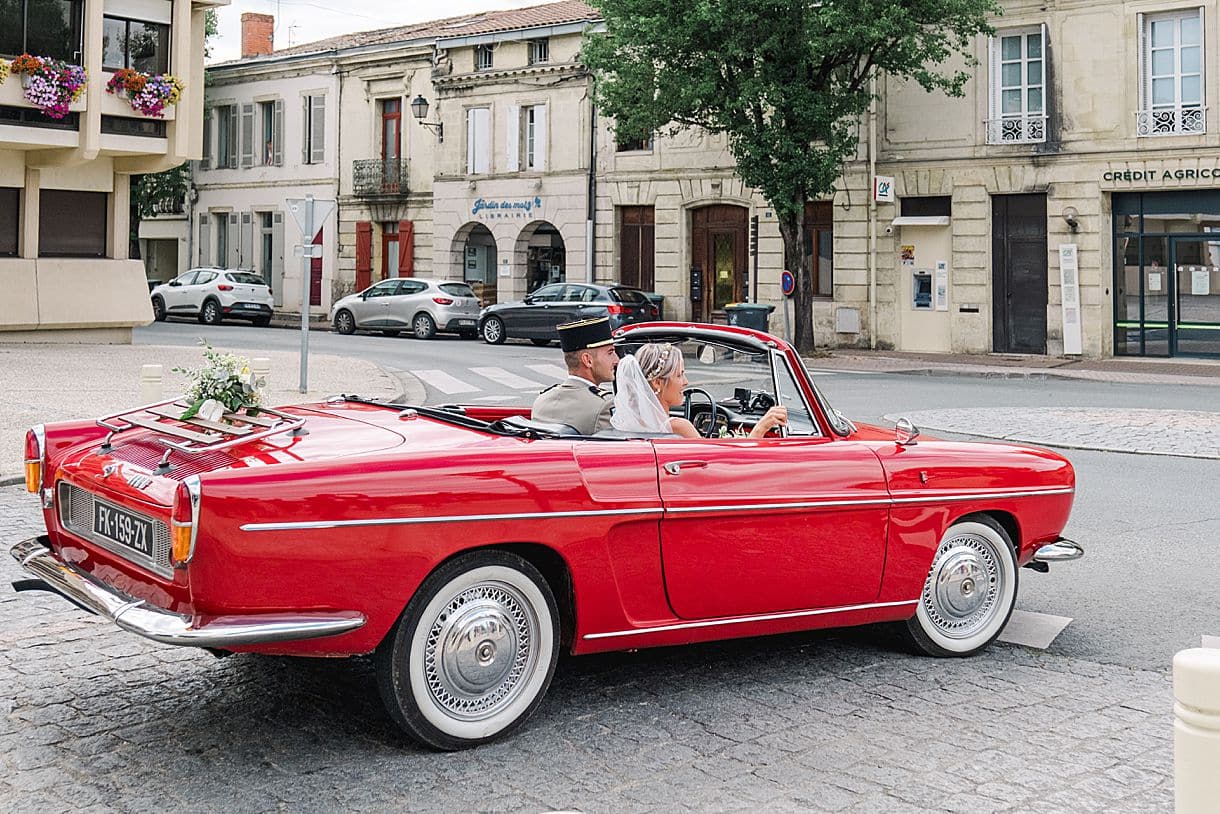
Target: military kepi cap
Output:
[(585, 334)]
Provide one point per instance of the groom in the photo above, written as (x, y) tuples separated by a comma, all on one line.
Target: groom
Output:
[(588, 351)]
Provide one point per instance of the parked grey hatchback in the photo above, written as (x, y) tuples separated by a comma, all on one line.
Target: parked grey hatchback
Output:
[(421, 306)]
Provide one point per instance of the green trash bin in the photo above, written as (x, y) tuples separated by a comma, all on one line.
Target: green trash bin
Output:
[(658, 300), (749, 315)]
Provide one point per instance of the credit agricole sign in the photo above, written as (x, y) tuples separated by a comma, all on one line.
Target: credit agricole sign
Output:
[(1157, 175)]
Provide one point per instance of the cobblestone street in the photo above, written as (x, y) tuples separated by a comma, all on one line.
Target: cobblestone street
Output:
[(97, 720)]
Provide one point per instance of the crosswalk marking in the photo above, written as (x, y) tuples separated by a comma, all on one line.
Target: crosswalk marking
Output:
[(554, 371), (445, 383), (507, 378), (1033, 629)]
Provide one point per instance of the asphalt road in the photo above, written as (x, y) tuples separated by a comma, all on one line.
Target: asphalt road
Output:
[(1145, 588)]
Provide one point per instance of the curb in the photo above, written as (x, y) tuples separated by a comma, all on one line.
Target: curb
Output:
[(12, 480)]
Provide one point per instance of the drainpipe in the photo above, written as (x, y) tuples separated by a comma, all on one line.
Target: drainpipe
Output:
[(591, 206), (872, 212)]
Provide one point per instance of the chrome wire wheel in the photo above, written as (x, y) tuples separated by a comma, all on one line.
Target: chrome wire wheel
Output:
[(474, 652), (969, 592)]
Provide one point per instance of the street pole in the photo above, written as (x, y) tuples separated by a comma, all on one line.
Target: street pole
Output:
[(306, 264)]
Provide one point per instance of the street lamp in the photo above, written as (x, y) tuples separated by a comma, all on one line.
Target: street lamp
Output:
[(419, 109)]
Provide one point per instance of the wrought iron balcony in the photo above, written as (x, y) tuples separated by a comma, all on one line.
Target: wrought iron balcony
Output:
[(1026, 129), (377, 177), (1170, 121)]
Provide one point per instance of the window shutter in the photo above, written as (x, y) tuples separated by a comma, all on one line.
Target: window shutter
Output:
[(247, 242), (232, 156), (205, 236), (206, 160), (364, 254), (1202, 66), (512, 139), (993, 79), (305, 129), (277, 134), (540, 137), (478, 153), (317, 128), (406, 248), (471, 139), (232, 241), (247, 136), (1145, 94), (277, 259)]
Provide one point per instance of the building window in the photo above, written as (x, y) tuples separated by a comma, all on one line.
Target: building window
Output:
[(85, 211), (482, 57), (478, 140), (134, 44), (626, 145), (927, 206), (266, 245), (313, 146), (636, 252), (1018, 84), (127, 126), (540, 52), (42, 27), (271, 121), (819, 241), (28, 117), (533, 131), (10, 206), (1171, 74), (226, 136)]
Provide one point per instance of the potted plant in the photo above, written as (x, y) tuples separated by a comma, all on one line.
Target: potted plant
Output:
[(146, 93)]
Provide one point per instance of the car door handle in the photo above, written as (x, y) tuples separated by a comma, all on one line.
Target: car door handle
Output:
[(675, 467)]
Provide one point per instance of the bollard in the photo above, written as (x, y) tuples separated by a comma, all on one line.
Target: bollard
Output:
[(1196, 730), (261, 367), (150, 384)]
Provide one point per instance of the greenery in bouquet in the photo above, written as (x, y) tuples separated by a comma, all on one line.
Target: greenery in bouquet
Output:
[(147, 93), (52, 84), (224, 377)]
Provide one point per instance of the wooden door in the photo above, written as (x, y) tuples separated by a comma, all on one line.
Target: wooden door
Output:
[(1019, 273), (718, 259)]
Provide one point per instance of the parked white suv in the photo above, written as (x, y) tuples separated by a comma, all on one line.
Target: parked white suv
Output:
[(213, 295)]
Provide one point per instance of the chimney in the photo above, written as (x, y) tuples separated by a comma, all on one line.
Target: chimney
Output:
[(256, 34)]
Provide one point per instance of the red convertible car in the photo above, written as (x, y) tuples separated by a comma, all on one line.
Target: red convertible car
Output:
[(466, 546)]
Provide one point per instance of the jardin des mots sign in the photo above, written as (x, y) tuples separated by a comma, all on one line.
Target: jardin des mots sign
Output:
[(493, 209), (1160, 175)]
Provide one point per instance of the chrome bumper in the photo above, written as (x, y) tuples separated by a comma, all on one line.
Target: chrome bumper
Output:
[(82, 589), (1061, 550)]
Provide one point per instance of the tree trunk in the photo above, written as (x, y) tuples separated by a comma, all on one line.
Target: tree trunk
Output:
[(797, 261)]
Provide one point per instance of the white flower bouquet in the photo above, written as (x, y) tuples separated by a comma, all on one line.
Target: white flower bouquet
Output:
[(224, 383)]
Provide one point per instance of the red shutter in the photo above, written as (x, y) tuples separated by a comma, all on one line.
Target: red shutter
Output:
[(364, 254), (406, 248)]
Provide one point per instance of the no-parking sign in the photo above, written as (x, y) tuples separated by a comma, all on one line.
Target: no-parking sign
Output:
[(787, 283)]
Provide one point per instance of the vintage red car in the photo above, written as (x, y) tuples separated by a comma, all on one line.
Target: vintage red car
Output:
[(466, 546)]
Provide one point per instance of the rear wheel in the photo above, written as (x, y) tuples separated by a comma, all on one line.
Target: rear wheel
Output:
[(210, 315), (970, 591), (158, 305), (542, 343), (493, 331), (473, 653), (345, 323), (423, 326)]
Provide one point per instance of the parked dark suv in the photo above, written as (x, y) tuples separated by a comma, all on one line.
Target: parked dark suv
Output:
[(536, 317)]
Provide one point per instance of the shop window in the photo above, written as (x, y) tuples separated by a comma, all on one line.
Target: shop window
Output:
[(637, 255), (142, 46), (43, 27), (1171, 74), (10, 223), (819, 242), (1017, 80), (72, 223)]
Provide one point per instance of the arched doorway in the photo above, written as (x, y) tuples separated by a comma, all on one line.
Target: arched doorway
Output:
[(474, 260), (718, 259), (545, 256)]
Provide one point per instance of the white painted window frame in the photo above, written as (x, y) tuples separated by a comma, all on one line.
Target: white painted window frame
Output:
[(1174, 118), (1026, 126)]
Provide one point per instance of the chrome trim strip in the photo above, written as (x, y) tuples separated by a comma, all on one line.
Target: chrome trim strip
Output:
[(134, 616), (407, 521), (194, 490), (740, 620), (735, 507), (40, 438)]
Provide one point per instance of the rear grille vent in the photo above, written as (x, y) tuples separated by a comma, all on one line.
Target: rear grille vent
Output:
[(76, 506), (147, 455)]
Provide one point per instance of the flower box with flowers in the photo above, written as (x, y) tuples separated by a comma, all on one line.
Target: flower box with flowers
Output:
[(152, 95), (53, 86)]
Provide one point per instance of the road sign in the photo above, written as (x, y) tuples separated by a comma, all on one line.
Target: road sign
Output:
[(312, 250), (786, 283), (321, 211)]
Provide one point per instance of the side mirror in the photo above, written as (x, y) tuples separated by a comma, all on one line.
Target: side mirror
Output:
[(905, 432), (364, 295), (529, 299), (707, 355)]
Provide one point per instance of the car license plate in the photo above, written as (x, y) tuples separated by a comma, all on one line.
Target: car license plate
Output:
[(123, 527), (465, 322), (251, 305)]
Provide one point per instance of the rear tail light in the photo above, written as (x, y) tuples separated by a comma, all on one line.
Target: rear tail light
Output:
[(268, 291), (225, 287), (656, 312), (616, 309), (35, 457), (442, 301), (184, 520)]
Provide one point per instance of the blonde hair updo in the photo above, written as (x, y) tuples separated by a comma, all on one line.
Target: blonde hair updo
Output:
[(658, 361)]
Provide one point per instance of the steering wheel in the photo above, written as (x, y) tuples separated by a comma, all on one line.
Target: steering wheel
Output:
[(712, 429)]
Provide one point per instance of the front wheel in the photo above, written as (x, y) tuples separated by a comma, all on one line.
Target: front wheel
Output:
[(345, 323), (473, 653), (970, 591), (493, 331)]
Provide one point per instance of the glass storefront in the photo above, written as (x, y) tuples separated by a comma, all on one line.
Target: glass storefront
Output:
[(1167, 273)]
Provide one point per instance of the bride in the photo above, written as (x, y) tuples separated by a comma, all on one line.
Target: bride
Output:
[(650, 382)]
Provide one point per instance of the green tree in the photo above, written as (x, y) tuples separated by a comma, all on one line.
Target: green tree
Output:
[(785, 80)]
